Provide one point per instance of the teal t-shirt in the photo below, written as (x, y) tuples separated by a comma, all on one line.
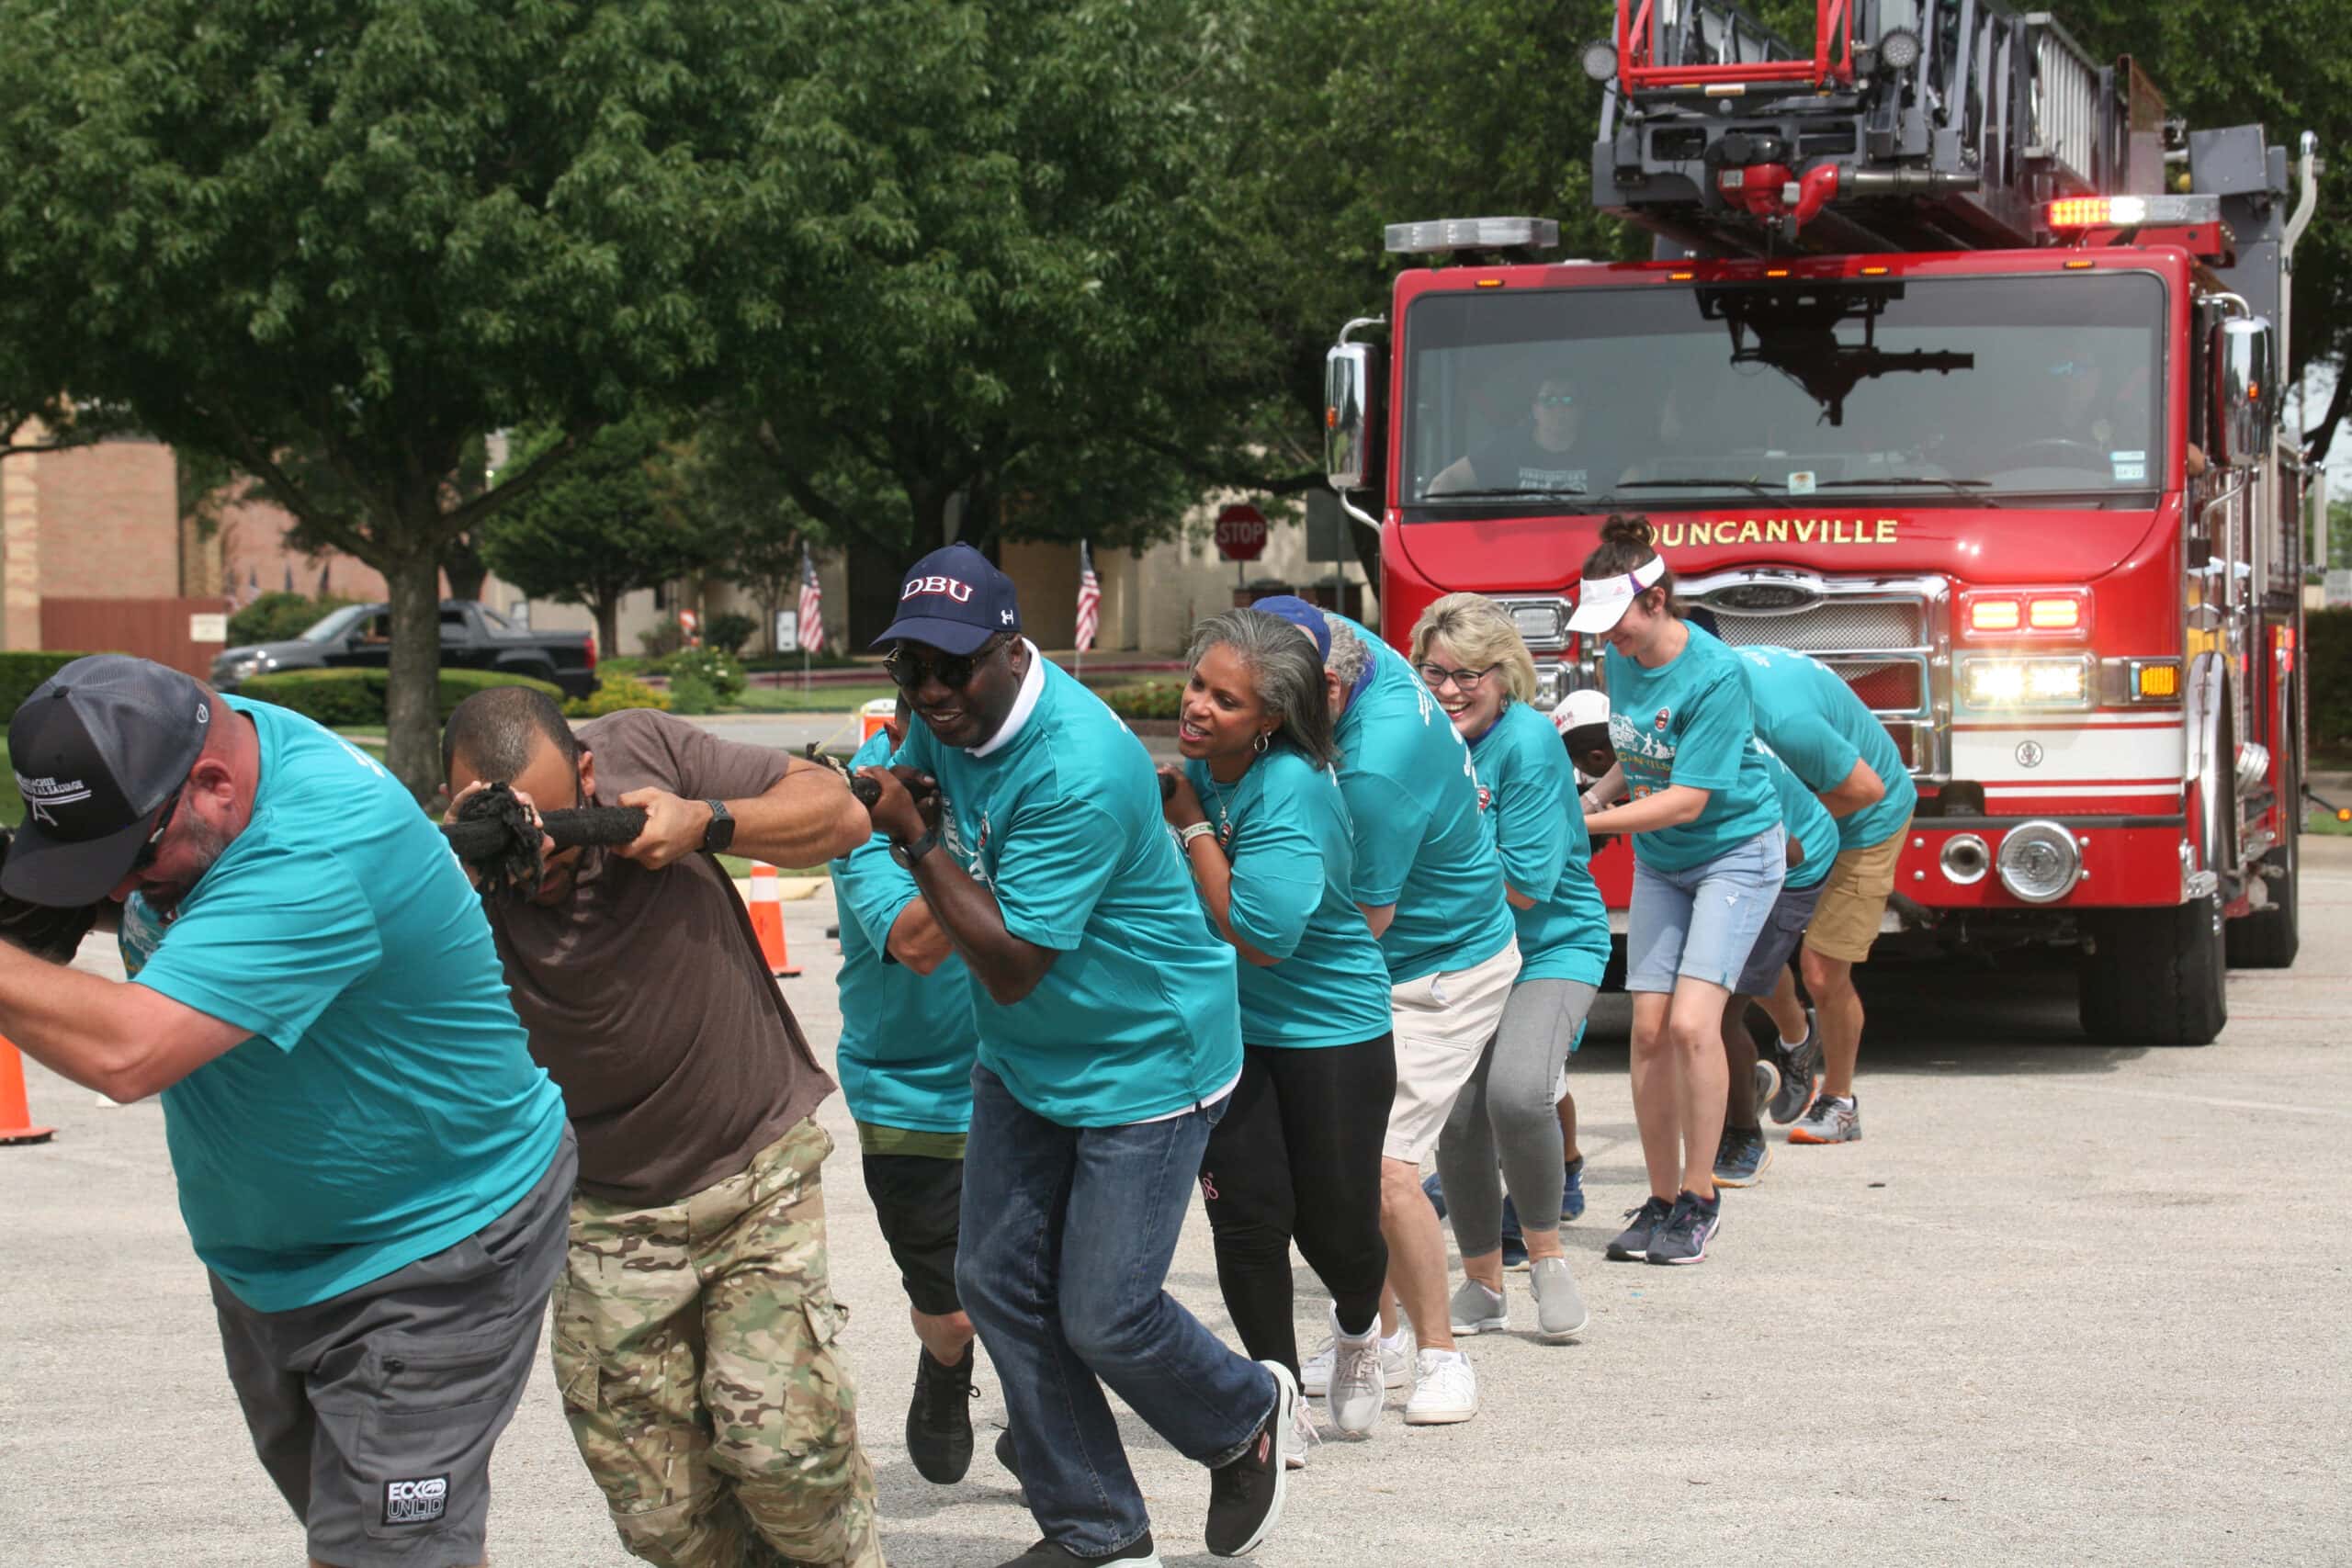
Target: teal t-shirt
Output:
[(908, 1040), (1412, 794), (1538, 824), (1689, 722), (1815, 723), (1809, 823), (1284, 827), (1137, 1018), (387, 1105)]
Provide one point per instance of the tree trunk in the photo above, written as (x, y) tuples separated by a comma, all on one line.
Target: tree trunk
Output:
[(413, 697), (607, 610)]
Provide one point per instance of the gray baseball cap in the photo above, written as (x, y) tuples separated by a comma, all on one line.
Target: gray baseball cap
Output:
[(100, 748)]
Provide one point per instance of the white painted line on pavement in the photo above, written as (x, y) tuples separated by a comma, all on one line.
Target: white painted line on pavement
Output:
[(2208, 1099)]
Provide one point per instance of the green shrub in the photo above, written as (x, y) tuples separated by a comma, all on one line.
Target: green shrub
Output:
[(332, 697), (20, 672), (342, 697), (2327, 654), (691, 695), (713, 669), (279, 616), (619, 691), (664, 640), (729, 632), (1145, 699), (628, 667)]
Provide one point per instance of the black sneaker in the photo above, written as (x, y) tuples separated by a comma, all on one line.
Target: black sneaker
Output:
[(939, 1419), (1246, 1495), (1633, 1243), (1006, 1454), (1137, 1553), (1741, 1156), (1800, 1071), (1683, 1237)]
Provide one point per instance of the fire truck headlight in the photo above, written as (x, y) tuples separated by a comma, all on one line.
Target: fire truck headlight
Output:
[(1600, 59), (1899, 50), (2026, 682), (2039, 863)]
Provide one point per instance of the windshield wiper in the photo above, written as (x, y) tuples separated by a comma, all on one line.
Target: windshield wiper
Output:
[(1895, 481), (1754, 487), (1437, 497)]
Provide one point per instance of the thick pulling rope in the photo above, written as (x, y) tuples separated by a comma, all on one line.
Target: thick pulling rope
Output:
[(494, 835)]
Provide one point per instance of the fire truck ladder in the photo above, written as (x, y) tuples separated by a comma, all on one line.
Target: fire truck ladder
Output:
[(1910, 125)]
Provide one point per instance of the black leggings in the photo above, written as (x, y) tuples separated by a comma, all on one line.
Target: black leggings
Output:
[(1299, 1155)]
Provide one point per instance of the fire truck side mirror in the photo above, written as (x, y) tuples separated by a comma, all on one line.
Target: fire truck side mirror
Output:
[(2249, 397), (1348, 428)]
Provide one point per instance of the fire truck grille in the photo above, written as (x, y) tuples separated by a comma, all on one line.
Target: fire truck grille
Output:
[(1834, 625), (1894, 687)]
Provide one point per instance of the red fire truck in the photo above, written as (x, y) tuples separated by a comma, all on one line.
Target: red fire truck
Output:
[(1958, 369)]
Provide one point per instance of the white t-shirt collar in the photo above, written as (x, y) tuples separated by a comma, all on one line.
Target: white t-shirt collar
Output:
[(1033, 686)]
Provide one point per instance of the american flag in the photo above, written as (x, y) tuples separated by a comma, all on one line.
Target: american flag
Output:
[(1090, 598), (812, 606)]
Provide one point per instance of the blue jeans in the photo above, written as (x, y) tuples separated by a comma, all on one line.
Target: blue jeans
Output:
[(1067, 1232)]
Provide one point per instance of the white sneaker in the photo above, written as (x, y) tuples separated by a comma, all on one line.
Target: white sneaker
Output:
[(1356, 1383), (1444, 1390), (1396, 1363), (1302, 1436)]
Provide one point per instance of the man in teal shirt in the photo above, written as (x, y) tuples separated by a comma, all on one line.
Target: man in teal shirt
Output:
[(908, 1043), (1109, 1039), (373, 1170), (1431, 885), (1839, 748)]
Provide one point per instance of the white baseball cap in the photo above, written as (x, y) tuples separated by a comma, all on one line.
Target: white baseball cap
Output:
[(1580, 709), (1602, 601)]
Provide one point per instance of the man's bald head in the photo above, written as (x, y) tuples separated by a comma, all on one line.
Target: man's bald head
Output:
[(498, 732)]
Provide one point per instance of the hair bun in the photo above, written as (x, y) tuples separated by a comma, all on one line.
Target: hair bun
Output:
[(1623, 530)]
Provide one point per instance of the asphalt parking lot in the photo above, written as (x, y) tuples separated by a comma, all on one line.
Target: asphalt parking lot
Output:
[(2063, 1303)]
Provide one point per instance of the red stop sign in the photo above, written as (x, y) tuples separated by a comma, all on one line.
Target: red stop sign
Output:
[(1240, 531)]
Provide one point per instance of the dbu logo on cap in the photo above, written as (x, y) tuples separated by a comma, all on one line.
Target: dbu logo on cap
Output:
[(418, 1502), (959, 591)]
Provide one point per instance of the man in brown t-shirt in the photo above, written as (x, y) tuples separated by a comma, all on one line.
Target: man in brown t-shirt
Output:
[(695, 1324)]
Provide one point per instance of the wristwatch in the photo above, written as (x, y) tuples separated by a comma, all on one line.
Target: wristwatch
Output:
[(907, 854), (721, 832)]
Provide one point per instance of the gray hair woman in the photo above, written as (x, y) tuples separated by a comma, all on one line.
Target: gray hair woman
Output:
[(1297, 1156)]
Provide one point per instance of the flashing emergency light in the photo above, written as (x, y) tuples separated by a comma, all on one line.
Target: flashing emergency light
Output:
[(2078, 212), (1442, 235), (2046, 612), (2027, 683), (1993, 615), (2157, 681)]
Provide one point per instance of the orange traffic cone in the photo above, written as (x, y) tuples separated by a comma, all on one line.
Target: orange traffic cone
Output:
[(767, 920), (15, 1115)]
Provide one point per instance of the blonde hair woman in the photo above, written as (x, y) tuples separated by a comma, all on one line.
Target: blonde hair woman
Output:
[(1475, 662)]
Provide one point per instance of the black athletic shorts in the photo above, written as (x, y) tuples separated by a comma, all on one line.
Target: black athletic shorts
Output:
[(917, 1201), (375, 1411), (1776, 942)]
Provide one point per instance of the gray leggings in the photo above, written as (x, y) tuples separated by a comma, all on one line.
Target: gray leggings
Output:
[(1510, 1100)]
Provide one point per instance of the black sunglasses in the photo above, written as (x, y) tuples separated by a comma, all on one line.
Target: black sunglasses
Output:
[(153, 846), (909, 670)]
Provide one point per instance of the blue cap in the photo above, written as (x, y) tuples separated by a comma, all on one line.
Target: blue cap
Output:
[(954, 601), (1307, 617)]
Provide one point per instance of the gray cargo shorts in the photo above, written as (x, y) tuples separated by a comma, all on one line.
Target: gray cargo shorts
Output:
[(375, 1411)]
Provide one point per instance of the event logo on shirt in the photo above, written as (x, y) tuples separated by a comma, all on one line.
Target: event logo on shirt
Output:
[(959, 591), (1663, 715), (1485, 797)]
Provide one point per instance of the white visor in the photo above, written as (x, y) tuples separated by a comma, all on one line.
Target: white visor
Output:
[(1601, 603), (1580, 710)]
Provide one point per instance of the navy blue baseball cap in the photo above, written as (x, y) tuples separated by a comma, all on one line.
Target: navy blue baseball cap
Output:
[(954, 601), (98, 747), (1307, 617)]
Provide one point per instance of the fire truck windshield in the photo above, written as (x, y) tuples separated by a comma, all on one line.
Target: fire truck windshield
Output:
[(1981, 391)]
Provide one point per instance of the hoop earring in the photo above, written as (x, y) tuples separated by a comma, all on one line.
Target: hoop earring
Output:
[(1258, 745)]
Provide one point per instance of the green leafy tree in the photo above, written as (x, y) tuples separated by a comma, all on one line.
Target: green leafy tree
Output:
[(599, 530), (374, 232)]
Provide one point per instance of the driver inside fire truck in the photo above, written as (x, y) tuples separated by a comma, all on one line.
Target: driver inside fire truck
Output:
[(1537, 456)]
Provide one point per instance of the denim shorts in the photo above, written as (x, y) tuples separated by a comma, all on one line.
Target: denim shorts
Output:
[(1701, 923)]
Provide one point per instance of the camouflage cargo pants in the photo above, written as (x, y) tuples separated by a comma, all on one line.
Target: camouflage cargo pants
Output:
[(695, 1347)]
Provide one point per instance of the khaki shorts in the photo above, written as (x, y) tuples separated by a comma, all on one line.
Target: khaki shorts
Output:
[(1853, 900), (1443, 1022)]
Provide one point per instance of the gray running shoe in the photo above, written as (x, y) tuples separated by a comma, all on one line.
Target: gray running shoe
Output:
[(1831, 1120), (1767, 1081), (1800, 1072), (1633, 1243), (1741, 1156), (1560, 1312), (1478, 1310), (1683, 1238)]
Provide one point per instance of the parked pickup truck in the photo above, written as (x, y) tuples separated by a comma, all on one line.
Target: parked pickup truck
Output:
[(473, 637)]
